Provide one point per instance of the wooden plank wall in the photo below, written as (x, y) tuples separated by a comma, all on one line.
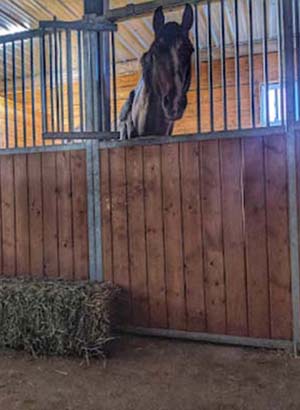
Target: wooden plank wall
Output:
[(43, 215), (197, 233)]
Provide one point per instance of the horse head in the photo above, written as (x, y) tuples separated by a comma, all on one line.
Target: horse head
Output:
[(167, 64)]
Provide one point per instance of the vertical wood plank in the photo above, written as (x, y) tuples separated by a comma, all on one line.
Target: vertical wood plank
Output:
[(255, 227), (192, 236), (36, 214), (121, 272), (155, 237), (107, 251), (65, 234), (234, 241), (80, 224), (8, 215), (50, 227), (136, 232), (212, 237), (22, 215), (278, 238), (173, 237)]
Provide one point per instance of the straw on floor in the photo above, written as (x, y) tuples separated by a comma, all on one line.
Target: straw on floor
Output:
[(56, 317)]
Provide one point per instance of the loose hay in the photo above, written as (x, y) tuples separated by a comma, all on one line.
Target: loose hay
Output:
[(56, 317)]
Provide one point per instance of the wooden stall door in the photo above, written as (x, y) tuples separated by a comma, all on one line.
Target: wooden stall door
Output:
[(197, 235)]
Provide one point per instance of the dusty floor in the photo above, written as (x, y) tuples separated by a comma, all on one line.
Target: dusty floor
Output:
[(153, 374)]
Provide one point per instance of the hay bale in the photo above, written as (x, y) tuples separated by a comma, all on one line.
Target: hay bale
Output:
[(55, 317)]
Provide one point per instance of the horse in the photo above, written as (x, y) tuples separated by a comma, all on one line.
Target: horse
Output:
[(160, 97)]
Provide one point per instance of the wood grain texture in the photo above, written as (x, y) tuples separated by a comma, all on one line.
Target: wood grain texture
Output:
[(50, 223), (36, 215), (155, 237), (234, 240), (21, 215), (137, 236), (65, 215), (212, 238), (256, 239), (105, 189), (192, 236), (8, 216), (173, 237), (278, 237), (79, 205)]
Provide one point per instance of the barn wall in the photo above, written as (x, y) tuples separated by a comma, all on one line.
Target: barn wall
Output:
[(126, 83), (43, 215), (198, 235)]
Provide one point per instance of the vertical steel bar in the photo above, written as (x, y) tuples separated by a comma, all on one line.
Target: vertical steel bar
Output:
[(97, 210), (94, 86), (32, 73), (70, 81), (237, 63), (224, 80), (50, 43), (90, 211), (5, 96), (43, 84), (15, 93), (210, 67), (114, 79), (81, 102), (291, 162), (280, 57), (104, 64), (198, 67), (251, 64), (23, 94), (265, 59), (297, 36), (56, 81), (61, 81)]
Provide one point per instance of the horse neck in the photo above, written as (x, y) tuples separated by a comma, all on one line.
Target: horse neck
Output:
[(153, 121)]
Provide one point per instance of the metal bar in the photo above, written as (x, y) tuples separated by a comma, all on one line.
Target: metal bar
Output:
[(291, 164), (43, 84), (32, 71), (251, 64), (224, 83), (70, 81), (46, 148), (237, 64), (114, 79), (78, 25), (5, 81), (210, 68), (88, 135), (24, 35), (105, 74), (81, 102), (23, 94), (198, 67), (56, 81), (265, 59), (280, 56), (51, 82), (94, 85), (208, 136), (14, 93), (297, 33), (61, 80), (210, 338)]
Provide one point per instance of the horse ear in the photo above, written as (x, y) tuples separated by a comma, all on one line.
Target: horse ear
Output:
[(158, 20), (188, 18)]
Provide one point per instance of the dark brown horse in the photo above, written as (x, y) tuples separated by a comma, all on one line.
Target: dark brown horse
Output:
[(160, 96)]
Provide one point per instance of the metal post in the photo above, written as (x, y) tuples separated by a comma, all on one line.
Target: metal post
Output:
[(289, 78), (95, 76)]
